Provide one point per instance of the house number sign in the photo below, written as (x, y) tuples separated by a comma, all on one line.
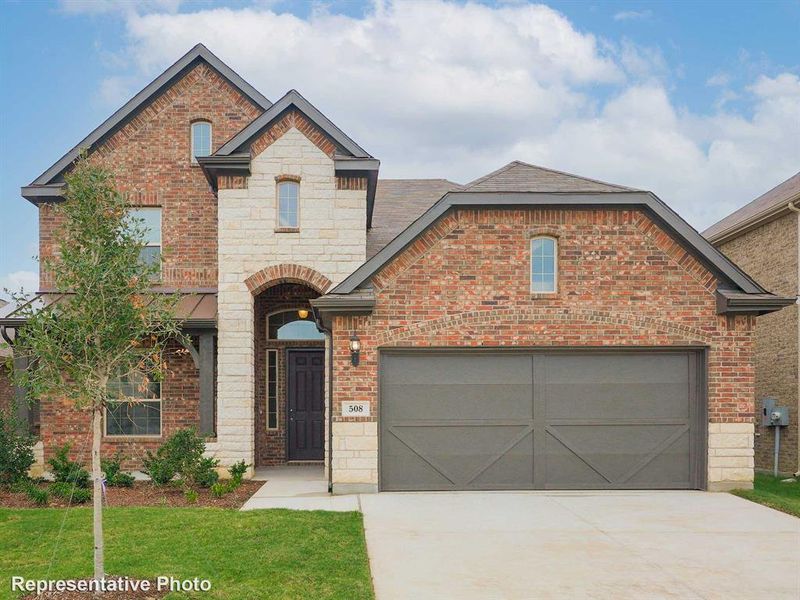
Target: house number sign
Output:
[(355, 409)]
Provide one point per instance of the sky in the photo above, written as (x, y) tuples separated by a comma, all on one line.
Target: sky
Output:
[(698, 102)]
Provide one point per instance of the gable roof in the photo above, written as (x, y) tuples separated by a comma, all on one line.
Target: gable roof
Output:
[(767, 206), (46, 185), (518, 176), (665, 216), (399, 202), (239, 142)]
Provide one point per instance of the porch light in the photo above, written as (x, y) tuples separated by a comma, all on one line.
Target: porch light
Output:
[(355, 349), (302, 313)]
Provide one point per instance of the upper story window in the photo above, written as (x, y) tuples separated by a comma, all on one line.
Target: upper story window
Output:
[(288, 204), (201, 139), (289, 325), (544, 264), (150, 219)]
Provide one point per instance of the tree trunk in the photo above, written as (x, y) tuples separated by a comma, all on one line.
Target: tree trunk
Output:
[(97, 493)]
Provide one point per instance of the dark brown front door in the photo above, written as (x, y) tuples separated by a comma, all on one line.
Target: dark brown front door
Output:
[(306, 392)]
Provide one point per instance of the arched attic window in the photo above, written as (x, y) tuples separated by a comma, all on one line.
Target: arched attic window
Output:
[(201, 139), (544, 264)]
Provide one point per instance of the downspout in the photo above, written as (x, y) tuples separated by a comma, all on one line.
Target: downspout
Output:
[(793, 207), (329, 378)]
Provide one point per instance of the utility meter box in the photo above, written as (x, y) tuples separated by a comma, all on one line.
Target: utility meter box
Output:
[(772, 415)]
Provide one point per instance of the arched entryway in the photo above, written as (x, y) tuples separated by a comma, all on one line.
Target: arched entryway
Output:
[(289, 366)]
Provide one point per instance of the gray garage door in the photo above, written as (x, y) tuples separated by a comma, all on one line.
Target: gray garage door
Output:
[(562, 420)]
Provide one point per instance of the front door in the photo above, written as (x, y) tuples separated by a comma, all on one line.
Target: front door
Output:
[(306, 399)]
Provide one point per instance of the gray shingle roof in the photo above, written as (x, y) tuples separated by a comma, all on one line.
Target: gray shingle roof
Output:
[(773, 200), (518, 176), (398, 203)]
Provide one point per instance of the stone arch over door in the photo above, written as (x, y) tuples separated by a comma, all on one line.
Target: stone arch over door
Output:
[(287, 273)]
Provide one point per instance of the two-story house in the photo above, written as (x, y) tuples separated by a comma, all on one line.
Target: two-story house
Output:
[(532, 329)]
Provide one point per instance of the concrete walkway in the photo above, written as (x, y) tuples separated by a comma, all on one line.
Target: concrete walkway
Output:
[(642, 545), (299, 488)]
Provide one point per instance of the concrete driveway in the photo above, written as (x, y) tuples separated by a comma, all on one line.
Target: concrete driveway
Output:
[(579, 545)]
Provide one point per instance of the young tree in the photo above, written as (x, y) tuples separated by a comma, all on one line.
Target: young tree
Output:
[(107, 324)]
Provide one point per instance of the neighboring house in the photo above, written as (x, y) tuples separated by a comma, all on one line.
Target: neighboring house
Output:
[(532, 329), (6, 385), (762, 238)]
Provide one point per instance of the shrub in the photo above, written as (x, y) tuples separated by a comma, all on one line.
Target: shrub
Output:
[(16, 450), (115, 477), (68, 471), (204, 473), (159, 468), (70, 492), (237, 471), (219, 489), (182, 455), (37, 495), (190, 495)]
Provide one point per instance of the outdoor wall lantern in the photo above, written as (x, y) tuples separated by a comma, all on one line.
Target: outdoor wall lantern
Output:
[(355, 349), (302, 313)]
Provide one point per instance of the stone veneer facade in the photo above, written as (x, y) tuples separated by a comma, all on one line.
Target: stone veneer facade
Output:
[(330, 244), (622, 282), (769, 253)]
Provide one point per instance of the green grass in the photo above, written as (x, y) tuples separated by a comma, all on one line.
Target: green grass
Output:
[(769, 491), (258, 554)]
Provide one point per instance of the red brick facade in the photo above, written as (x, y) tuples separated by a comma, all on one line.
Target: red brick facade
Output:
[(152, 159), (180, 402), (622, 281)]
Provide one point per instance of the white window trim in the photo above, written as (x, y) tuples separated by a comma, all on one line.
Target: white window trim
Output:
[(160, 244), (191, 138), (555, 263), (278, 226), (266, 390), (118, 436)]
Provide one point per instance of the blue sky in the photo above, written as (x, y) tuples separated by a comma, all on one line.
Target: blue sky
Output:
[(697, 103)]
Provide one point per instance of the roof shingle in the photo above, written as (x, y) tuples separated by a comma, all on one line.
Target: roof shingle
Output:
[(518, 176), (775, 199)]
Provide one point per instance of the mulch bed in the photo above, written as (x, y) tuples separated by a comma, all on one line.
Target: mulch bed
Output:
[(152, 594), (143, 493)]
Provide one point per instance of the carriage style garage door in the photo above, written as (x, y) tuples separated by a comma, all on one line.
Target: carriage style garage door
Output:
[(488, 420)]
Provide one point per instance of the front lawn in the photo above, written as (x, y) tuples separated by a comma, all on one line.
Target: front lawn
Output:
[(771, 492), (257, 554)]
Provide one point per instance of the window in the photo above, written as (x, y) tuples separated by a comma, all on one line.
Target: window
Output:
[(543, 265), (150, 219), (201, 139), (134, 406), (272, 389), (288, 325), (288, 192)]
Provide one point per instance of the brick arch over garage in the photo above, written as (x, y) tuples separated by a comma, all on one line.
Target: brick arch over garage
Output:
[(287, 273)]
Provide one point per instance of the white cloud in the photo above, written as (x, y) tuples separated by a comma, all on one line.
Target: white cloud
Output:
[(633, 15), (439, 89), (27, 281), (719, 79)]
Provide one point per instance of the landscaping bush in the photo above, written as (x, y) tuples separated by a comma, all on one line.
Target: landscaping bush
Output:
[(159, 468), (191, 496), (219, 489), (112, 468), (37, 495), (68, 471), (16, 450), (182, 455), (204, 473), (237, 471), (70, 492)]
